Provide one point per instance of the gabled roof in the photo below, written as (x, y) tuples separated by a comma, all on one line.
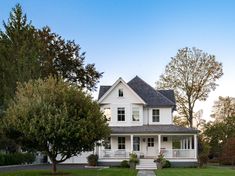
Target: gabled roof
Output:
[(153, 129), (151, 96), (106, 90), (148, 94)]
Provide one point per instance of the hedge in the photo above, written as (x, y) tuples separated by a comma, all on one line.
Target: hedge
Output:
[(16, 158)]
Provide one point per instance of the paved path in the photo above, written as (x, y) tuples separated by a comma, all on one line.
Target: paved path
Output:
[(146, 173)]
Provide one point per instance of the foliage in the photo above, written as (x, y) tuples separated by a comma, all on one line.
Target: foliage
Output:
[(160, 160), (16, 158), (133, 158), (228, 152), (125, 164), (30, 53), (167, 164), (217, 133), (92, 160), (192, 74), (64, 119), (224, 107)]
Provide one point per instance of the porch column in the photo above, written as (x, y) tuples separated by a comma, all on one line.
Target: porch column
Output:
[(195, 145), (131, 136), (159, 143)]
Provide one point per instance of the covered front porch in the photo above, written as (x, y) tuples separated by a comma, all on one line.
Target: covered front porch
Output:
[(172, 146)]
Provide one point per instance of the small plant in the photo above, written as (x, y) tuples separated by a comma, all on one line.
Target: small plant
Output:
[(167, 164), (133, 160), (125, 164), (92, 160), (160, 160)]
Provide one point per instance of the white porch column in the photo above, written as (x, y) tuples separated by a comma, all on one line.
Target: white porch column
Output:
[(131, 136), (190, 142), (195, 145), (159, 143)]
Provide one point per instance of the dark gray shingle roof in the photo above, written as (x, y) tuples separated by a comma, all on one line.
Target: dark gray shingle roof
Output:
[(153, 129), (151, 96), (103, 90)]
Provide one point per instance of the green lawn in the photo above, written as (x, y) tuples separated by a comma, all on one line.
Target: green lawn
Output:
[(81, 172), (211, 171)]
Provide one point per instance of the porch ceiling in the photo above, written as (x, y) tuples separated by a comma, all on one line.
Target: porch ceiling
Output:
[(153, 129)]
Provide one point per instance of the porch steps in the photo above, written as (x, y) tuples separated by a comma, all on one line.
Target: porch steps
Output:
[(146, 164)]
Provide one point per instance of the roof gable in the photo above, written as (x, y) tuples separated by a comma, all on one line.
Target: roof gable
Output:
[(151, 96), (106, 90)]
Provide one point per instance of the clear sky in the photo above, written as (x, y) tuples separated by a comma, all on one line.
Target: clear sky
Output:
[(125, 38)]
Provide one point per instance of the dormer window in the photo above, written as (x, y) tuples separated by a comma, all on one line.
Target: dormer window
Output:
[(120, 92)]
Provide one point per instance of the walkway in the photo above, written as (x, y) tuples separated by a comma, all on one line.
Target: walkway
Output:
[(146, 173)]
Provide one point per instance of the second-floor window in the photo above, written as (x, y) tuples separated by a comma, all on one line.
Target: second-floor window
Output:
[(120, 92), (107, 113), (135, 114), (156, 115), (121, 114)]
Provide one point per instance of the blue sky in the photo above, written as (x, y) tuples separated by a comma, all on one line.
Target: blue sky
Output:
[(125, 38)]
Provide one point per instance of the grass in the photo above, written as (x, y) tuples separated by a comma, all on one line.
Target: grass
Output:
[(81, 172), (210, 171)]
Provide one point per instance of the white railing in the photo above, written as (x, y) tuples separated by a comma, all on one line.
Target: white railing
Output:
[(117, 153), (178, 153)]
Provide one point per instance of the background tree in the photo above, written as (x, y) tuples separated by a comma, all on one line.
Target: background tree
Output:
[(56, 118), (228, 152), (192, 74), (30, 53), (224, 107), (217, 134)]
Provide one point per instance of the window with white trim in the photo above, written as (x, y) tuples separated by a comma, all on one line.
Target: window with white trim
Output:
[(121, 143), (107, 143), (121, 114), (136, 143), (150, 142), (135, 114), (156, 115), (107, 113), (120, 92)]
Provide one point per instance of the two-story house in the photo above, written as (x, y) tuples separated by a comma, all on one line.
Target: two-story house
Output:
[(141, 121)]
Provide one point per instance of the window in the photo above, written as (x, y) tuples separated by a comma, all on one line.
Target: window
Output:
[(121, 114), (164, 139), (107, 113), (121, 142), (107, 143), (136, 143), (156, 115), (120, 92), (150, 142), (135, 114)]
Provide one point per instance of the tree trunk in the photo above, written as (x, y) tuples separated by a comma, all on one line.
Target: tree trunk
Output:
[(54, 169), (191, 118)]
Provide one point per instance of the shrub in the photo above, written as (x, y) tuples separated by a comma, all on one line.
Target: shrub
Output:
[(167, 164), (133, 158), (92, 160), (16, 158), (203, 159), (125, 164)]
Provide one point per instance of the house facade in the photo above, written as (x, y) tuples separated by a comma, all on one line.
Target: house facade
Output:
[(141, 121)]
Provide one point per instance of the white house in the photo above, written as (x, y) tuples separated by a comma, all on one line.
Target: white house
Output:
[(141, 121)]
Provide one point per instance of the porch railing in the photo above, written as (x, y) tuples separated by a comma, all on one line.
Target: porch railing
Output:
[(168, 153), (116, 153), (178, 153)]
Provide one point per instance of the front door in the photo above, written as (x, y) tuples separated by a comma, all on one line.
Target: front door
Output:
[(150, 147)]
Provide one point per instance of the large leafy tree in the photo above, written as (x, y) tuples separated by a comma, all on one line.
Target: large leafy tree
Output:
[(192, 74), (30, 53), (56, 118)]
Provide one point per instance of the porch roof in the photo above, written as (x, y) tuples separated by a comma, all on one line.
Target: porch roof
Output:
[(153, 129)]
